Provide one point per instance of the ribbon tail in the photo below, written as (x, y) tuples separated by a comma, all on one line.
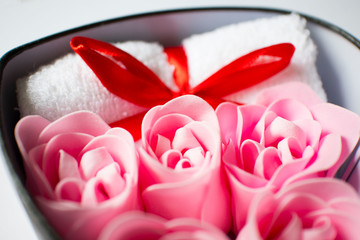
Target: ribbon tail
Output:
[(247, 71), (131, 124), (121, 73)]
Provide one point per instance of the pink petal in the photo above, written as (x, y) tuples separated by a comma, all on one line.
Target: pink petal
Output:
[(249, 153), (243, 188), (183, 164), (36, 182), (291, 169), (197, 134), (259, 217), (163, 145), (139, 225), (134, 226), (302, 204), (171, 158), (230, 155), (69, 189), (322, 228), (94, 160), (250, 115), (75, 222), (184, 139), (258, 133), (327, 156), (112, 189), (94, 193), (111, 177), (166, 126), (217, 195), (290, 109), (245, 178), (350, 205), (267, 163), (71, 143), (61, 214), (167, 199), (227, 114), (27, 132), (35, 155), (122, 133), (238, 122), (281, 128), (324, 188), (312, 129), (91, 223), (121, 151), (293, 90), (343, 122), (345, 224), (68, 166), (80, 122), (290, 149), (190, 228), (196, 156), (292, 229)]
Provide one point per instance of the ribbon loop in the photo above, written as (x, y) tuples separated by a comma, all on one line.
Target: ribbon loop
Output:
[(121, 73), (246, 71)]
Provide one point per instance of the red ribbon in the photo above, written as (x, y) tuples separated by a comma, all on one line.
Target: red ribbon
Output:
[(128, 78)]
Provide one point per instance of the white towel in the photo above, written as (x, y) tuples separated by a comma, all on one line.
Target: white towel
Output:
[(210, 51), (68, 84)]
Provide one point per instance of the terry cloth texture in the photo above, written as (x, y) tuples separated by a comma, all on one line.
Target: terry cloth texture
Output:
[(68, 84)]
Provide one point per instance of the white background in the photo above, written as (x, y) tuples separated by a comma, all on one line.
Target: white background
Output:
[(23, 21)]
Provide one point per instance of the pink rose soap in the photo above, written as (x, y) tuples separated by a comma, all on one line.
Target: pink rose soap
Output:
[(320, 209), (81, 172), (288, 135)]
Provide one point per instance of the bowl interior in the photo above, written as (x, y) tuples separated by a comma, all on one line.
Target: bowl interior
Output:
[(338, 65)]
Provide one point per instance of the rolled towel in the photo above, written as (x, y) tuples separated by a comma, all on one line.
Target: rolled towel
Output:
[(68, 84), (210, 51)]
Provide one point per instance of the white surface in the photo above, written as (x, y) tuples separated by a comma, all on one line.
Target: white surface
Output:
[(22, 21)]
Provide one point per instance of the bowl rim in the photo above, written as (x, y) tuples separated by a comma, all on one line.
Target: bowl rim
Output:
[(37, 218)]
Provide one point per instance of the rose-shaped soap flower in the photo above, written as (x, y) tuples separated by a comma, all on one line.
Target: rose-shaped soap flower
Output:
[(318, 208), (180, 162), (289, 134), (81, 172), (140, 225)]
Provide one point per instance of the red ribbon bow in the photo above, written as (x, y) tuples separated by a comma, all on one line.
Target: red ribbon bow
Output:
[(128, 78)]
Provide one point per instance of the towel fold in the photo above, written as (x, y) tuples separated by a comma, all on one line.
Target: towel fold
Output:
[(68, 84)]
